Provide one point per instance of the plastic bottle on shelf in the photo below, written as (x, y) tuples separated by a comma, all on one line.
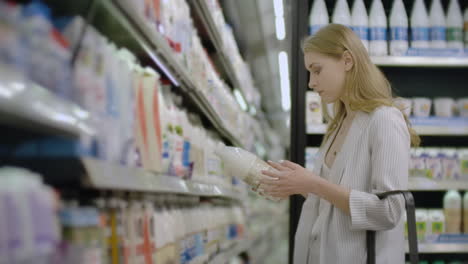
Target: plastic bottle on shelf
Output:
[(318, 17), (398, 29), (465, 28), (419, 25), (454, 26), (341, 13), (378, 30), (421, 224), (438, 25), (465, 213), (452, 211), (360, 22), (246, 165)]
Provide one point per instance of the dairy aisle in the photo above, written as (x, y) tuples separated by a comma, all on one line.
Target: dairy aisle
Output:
[(134, 131), (421, 47)]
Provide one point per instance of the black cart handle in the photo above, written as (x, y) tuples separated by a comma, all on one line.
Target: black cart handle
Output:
[(411, 221)]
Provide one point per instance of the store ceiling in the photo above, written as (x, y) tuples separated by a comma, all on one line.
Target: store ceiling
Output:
[(253, 24)]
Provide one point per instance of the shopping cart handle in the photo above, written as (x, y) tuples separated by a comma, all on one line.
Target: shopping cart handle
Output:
[(411, 220)]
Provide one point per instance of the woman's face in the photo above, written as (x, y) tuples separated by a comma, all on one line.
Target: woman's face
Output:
[(327, 75)]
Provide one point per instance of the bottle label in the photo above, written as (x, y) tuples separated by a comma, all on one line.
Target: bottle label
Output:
[(399, 33), (437, 228), (378, 33), (313, 29), (438, 33), (420, 34), (454, 34), (362, 32)]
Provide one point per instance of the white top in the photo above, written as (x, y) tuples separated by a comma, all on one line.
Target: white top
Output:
[(374, 158)]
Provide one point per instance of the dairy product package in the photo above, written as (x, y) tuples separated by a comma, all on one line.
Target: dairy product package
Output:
[(398, 29), (421, 107), (419, 25), (438, 25), (436, 224), (360, 22), (243, 164), (318, 16), (453, 211), (404, 104), (451, 165), (421, 224), (454, 26), (444, 106), (462, 105), (314, 109)]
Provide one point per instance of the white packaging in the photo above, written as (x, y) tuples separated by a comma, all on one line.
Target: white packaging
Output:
[(465, 28), (454, 26), (462, 105), (419, 25), (463, 158), (436, 223), (244, 165), (378, 30), (421, 224), (419, 161), (421, 107), (452, 212), (434, 164), (360, 22), (451, 165), (318, 17), (444, 106), (341, 13), (438, 25), (404, 104), (314, 109), (398, 29)]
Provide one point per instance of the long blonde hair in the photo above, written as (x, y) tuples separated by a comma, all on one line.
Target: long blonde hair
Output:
[(366, 87)]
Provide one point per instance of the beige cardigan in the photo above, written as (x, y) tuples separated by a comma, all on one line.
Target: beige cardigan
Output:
[(374, 158)]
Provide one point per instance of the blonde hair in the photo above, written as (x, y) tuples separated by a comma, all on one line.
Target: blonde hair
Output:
[(366, 87)]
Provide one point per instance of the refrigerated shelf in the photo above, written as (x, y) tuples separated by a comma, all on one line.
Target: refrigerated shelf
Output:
[(26, 104), (158, 49), (409, 61), (425, 184), (204, 13), (439, 248), (107, 176), (421, 130)]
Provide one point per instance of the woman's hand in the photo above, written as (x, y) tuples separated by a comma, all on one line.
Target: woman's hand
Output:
[(290, 178)]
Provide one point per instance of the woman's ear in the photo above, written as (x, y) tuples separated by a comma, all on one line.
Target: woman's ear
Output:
[(348, 60)]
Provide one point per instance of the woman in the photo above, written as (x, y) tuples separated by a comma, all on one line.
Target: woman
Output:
[(365, 151)]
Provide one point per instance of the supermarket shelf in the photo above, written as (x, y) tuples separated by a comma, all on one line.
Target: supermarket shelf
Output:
[(439, 248), (318, 129), (441, 131), (389, 61), (239, 247), (158, 49), (425, 184), (25, 104), (103, 175), (88, 173), (203, 11), (245, 245), (422, 130)]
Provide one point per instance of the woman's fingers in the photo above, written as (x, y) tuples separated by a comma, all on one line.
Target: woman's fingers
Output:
[(274, 174), (291, 165), (278, 166)]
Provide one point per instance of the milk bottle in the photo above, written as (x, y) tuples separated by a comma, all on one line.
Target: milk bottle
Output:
[(378, 30), (454, 26), (398, 29), (318, 17), (419, 25), (360, 22), (438, 25)]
